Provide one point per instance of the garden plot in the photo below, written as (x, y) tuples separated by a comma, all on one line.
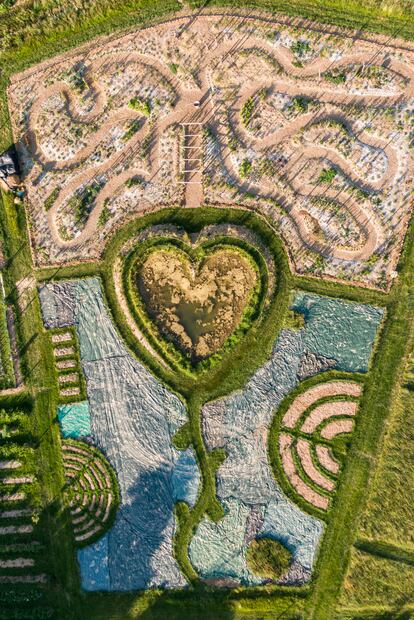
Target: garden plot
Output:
[(311, 129), (131, 417), (254, 502), (22, 534)]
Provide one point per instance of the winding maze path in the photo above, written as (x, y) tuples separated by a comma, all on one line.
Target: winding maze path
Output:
[(204, 104)]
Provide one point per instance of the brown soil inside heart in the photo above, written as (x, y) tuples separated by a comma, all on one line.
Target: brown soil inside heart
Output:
[(196, 307)]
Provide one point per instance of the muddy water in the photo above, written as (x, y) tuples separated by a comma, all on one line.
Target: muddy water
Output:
[(197, 306)]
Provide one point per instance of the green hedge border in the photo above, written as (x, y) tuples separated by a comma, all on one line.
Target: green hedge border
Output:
[(276, 428)]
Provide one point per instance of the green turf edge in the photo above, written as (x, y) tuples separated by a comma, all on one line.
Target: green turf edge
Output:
[(376, 403), (385, 550), (37, 366)]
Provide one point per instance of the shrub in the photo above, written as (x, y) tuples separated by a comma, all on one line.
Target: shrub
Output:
[(300, 104), (245, 168), (268, 558), (82, 202), (104, 216), (327, 175), (132, 128), (300, 48), (140, 105), (335, 78), (247, 111), (51, 199)]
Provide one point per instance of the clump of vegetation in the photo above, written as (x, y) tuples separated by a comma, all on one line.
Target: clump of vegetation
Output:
[(327, 175), (245, 168), (133, 127), (300, 104), (76, 77), (134, 181), (82, 202), (208, 132), (140, 105), (294, 320), (174, 67), (247, 111), (268, 558), (105, 215), (335, 78), (51, 199), (267, 167), (300, 48)]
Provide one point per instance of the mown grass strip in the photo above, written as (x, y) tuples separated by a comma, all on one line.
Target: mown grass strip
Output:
[(393, 20), (381, 389), (385, 550)]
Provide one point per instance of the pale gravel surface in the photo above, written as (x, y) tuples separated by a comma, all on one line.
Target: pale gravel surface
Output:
[(328, 410), (332, 429), (200, 69)]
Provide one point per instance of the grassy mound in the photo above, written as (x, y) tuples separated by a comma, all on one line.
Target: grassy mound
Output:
[(268, 558)]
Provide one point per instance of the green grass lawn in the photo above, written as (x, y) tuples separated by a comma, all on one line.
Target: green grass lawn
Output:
[(377, 582), (389, 514), (37, 365)]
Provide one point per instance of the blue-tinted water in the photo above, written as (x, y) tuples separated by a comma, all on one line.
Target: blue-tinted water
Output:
[(75, 420)]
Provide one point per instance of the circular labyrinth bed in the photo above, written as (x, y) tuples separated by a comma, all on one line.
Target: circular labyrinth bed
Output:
[(91, 489), (194, 296), (311, 440)]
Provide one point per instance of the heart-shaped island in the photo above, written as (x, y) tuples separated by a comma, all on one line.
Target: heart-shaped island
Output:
[(197, 304)]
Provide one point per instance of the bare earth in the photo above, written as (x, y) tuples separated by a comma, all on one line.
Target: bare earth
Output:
[(198, 308)]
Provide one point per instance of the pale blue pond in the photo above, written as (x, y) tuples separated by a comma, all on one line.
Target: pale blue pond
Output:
[(75, 420)]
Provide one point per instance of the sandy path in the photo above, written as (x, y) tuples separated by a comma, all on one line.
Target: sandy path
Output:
[(332, 429), (326, 458), (328, 410), (315, 393), (304, 452)]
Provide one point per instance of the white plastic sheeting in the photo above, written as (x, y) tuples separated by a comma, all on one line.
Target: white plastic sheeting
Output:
[(133, 420)]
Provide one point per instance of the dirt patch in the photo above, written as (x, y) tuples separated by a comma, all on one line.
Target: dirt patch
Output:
[(196, 306), (332, 429)]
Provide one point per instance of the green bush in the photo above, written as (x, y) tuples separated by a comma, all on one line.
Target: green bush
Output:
[(140, 105), (247, 111), (51, 199), (300, 104), (82, 201), (327, 175), (268, 558), (245, 168)]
